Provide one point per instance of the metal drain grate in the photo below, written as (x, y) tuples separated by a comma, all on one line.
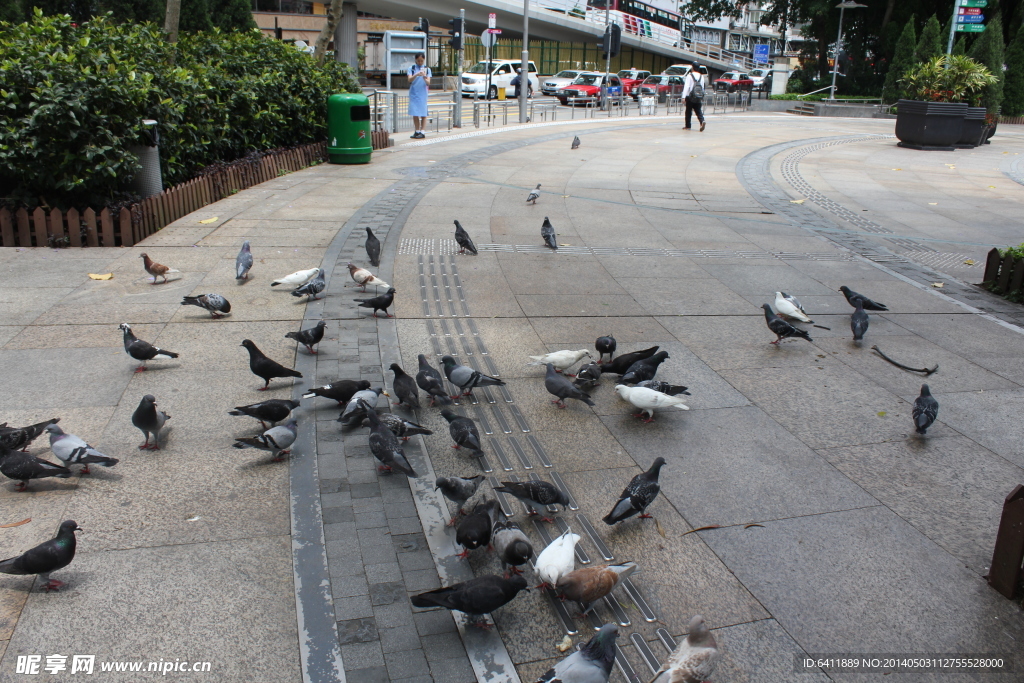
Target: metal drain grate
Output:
[(943, 260)]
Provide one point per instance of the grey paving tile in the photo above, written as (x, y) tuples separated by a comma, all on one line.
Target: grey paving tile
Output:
[(415, 560), (406, 664), (405, 525), (362, 655), (399, 638), (356, 607), (393, 614), (349, 586), (335, 515), (373, 674), (452, 671), (434, 621), (383, 573), (370, 520), (417, 580), (443, 646), (357, 631)]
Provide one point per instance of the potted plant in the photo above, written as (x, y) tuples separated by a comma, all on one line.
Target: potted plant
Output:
[(941, 117)]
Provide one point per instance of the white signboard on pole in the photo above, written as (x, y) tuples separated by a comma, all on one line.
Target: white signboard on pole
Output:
[(492, 21)]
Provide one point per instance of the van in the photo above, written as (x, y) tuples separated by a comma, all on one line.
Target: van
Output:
[(474, 79)]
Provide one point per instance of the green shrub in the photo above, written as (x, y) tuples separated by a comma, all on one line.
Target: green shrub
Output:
[(1016, 252)]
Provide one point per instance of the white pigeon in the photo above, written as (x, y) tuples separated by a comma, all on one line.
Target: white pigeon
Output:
[(788, 307), (558, 559), (562, 360), (649, 400), (299, 277), (534, 195), (361, 276), (73, 449), (694, 659)]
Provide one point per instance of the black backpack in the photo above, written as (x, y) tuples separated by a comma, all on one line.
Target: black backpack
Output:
[(697, 93)]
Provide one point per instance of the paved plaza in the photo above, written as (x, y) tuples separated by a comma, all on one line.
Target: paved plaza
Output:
[(834, 528)]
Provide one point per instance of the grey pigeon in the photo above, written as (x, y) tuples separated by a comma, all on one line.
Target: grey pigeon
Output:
[(309, 337), (71, 449), (430, 381), (355, 412), (620, 365), (464, 241), (637, 496), (478, 596), (561, 388), (926, 409), (592, 663), (605, 344), (781, 328), (547, 233), (474, 531), (534, 195), (21, 437), (141, 350), (381, 302), (535, 493), (463, 431), (214, 303), (467, 378), (644, 369), (312, 288), (511, 545), (576, 142), (274, 410), (47, 557), (852, 297), (22, 467), (149, 421), (859, 322), (385, 446), (405, 388), (588, 376), (664, 387), (458, 489), (694, 660), (372, 247), (340, 391), (276, 440), (265, 368), (401, 428), (243, 262)]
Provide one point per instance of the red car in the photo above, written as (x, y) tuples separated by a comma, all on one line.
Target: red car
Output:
[(659, 86), (731, 81), (587, 88), (631, 78)]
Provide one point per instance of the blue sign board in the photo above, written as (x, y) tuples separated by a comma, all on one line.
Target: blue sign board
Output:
[(760, 54), (970, 18)]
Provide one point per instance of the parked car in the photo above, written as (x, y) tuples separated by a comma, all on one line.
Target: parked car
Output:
[(631, 78), (731, 81), (659, 86), (549, 86), (474, 79), (759, 76), (587, 88), (682, 70)]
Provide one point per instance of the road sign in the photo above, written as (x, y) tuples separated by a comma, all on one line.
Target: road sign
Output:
[(973, 3), (969, 10), (488, 39), (492, 21), (495, 31), (970, 28), (970, 19), (761, 54)]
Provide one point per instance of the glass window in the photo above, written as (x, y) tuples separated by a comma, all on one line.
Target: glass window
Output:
[(567, 74), (586, 79), (478, 68)]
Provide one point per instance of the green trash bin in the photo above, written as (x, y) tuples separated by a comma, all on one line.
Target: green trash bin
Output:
[(348, 129)]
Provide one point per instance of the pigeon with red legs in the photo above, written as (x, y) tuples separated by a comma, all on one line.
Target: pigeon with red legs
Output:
[(637, 496), (47, 557), (149, 420), (474, 531), (71, 449)]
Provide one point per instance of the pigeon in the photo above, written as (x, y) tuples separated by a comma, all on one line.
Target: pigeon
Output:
[(405, 388), (789, 307), (562, 360), (381, 302), (926, 409), (649, 400), (142, 350), (589, 584), (464, 241), (243, 262), (535, 492), (22, 466), (561, 388), (644, 369), (869, 305), (534, 195), (620, 365), (458, 490), (477, 596), (557, 559), (511, 545), (663, 387), (309, 337), (588, 376), (694, 660), (276, 440), (71, 449), (274, 410), (430, 381), (312, 288), (547, 233), (47, 557), (155, 269), (372, 248), (17, 438), (859, 322), (299, 277), (605, 344), (781, 328), (467, 378), (355, 412), (592, 663), (463, 431), (385, 447), (474, 531), (361, 276), (214, 303), (637, 496), (263, 367), (340, 391), (576, 142), (401, 428), (149, 420)]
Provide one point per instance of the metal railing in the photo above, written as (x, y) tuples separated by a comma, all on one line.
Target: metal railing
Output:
[(389, 111)]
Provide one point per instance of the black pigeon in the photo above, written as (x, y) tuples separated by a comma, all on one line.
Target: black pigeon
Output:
[(402, 428), (859, 321), (372, 247), (780, 327), (312, 288), (637, 496), (561, 388), (264, 368), (547, 232), (355, 412), (539, 492), (309, 337), (926, 409), (620, 365), (385, 446), (47, 557), (467, 378), (149, 420), (474, 531), (664, 387), (464, 241), (576, 142), (463, 431), (605, 344), (511, 545), (142, 350), (592, 663), (478, 596), (588, 376), (274, 410), (458, 489), (644, 369), (379, 303), (17, 438), (405, 388), (852, 297), (430, 381), (22, 467), (341, 391), (214, 303)]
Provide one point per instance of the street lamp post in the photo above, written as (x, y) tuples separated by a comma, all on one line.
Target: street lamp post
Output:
[(524, 75), (839, 43)]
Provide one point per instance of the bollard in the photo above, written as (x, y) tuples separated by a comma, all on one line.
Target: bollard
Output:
[(1005, 573)]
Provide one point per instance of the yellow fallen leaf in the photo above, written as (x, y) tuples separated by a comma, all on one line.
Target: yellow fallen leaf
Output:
[(209, 220), (970, 262), (897, 169), (693, 156), (933, 203), (14, 524), (105, 276), (881, 413), (797, 201), (657, 523), (937, 285), (566, 196), (991, 187)]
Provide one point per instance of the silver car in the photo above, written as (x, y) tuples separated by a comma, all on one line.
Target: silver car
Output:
[(550, 86)]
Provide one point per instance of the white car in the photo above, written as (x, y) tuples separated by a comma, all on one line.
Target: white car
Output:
[(682, 70), (758, 76), (474, 79), (553, 84)]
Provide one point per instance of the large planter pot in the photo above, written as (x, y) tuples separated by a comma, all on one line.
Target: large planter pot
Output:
[(930, 125), (991, 131), (973, 128)]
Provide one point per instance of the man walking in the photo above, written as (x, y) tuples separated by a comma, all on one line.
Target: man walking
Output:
[(693, 95)]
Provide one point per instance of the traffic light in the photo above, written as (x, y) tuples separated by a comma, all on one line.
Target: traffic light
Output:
[(423, 26), (611, 41), (456, 33)]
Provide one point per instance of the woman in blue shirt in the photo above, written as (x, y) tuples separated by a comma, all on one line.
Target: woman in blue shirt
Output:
[(419, 83)]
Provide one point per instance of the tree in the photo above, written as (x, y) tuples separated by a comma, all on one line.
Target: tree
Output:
[(960, 46), (11, 11), (902, 60), (930, 44), (990, 51), (1013, 88), (232, 15), (172, 20), (334, 11), (195, 16)]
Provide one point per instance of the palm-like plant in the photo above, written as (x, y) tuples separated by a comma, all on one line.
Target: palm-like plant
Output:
[(948, 78)]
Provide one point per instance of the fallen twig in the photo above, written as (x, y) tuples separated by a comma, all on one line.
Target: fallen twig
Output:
[(926, 371)]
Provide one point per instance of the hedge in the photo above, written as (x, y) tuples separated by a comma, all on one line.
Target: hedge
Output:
[(73, 97)]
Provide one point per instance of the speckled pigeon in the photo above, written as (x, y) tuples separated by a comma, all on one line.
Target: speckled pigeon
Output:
[(385, 446), (22, 467), (276, 440), (637, 496), (463, 431), (780, 327), (926, 409), (312, 288), (430, 381), (694, 660)]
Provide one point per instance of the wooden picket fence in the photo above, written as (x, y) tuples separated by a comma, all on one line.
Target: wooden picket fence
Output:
[(1004, 274), (40, 227)]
